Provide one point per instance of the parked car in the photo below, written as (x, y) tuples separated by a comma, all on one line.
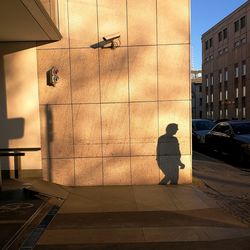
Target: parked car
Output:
[(231, 138), (220, 120), (200, 127)]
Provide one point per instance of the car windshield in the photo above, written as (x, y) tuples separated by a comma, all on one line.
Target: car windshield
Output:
[(203, 125), (241, 128)]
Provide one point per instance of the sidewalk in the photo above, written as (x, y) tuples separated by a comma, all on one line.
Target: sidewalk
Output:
[(132, 217), (140, 217)]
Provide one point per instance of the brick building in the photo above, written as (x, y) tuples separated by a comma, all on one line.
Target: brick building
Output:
[(225, 67), (196, 81)]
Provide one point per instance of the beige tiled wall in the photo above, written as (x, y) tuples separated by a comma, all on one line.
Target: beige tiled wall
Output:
[(82, 23), (141, 22), (110, 106), (143, 86), (87, 130), (85, 84)]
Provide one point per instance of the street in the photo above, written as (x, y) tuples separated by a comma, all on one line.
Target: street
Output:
[(229, 185)]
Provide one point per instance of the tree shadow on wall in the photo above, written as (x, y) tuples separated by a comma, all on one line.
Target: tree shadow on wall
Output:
[(169, 156)]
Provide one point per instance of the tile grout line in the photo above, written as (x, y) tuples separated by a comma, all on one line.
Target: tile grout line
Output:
[(100, 93), (129, 46), (157, 70), (113, 156), (71, 96), (190, 94), (90, 103), (40, 109), (129, 113)]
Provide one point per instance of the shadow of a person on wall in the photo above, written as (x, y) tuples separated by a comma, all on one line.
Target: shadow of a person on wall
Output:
[(169, 156)]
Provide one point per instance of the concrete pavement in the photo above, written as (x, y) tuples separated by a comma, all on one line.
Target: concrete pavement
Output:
[(140, 217), (221, 176), (228, 185)]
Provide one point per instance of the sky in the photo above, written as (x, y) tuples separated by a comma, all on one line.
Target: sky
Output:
[(204, 15)]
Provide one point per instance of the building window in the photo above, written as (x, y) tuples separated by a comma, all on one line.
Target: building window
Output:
[(226, 91), (225, 33), (220, 95), (244, 68), (220, 76), (206, 80), (206, 45), (211, 79), (242, 22), (226, 74), (200, 88), (243, 100), (236, 26), (200, 114), (226, 113), (236, 70), (220, 113), (211, 42), (237, 113), (236, 92), (244, 90), (220, 36), (200, 101), (244, 112), (207, 98)]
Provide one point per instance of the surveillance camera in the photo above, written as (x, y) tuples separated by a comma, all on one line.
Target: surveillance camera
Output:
[(111, 37)]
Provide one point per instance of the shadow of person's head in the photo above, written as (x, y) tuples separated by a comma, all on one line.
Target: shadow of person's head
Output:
[(171, 129)]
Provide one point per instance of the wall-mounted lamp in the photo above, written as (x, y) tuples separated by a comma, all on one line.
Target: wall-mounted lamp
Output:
[(109, 41), (52, 76)]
